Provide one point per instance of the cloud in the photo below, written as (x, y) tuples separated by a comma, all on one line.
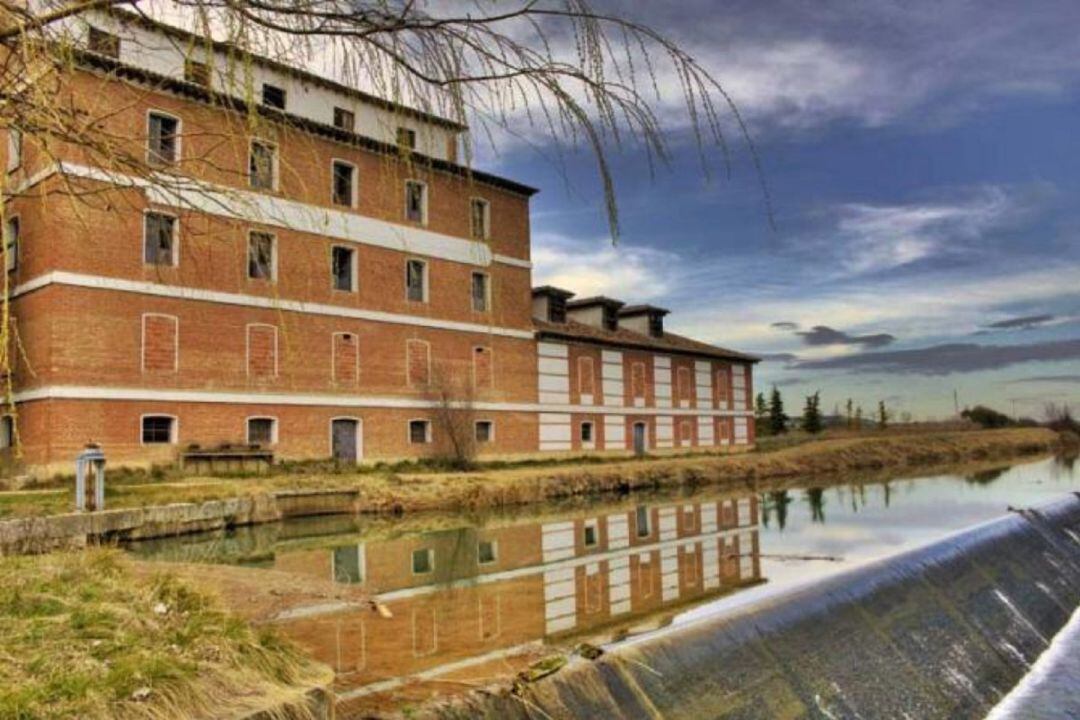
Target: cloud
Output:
[(784, 325), (948, 358), (632, 273), (778, 357), (1071, 379), (1024, 322), (824, 335)]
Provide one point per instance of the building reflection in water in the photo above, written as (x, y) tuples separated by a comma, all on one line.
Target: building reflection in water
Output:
[(463, 598)]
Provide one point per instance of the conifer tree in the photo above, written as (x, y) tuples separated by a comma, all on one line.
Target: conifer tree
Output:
[(811, 419), (777, 418), (883, 415), (850, 414), (761, 409)]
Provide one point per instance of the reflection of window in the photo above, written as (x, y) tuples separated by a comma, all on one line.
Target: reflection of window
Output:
[(11, 244), (645, 576), (485, 552), (594, 591), (7, 432), (642, 521), (690, 568), (347, 565), (423, 561)]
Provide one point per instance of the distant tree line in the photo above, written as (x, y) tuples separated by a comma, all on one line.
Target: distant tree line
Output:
[(773, 420)]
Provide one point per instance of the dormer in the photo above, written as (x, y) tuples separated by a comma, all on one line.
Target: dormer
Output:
[(599, 312), (644, 319), (549, 303)]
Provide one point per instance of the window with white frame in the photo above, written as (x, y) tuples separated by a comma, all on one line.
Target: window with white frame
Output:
[(343, 268), (15, 148), (12, 230), (419, 432), (485, 431), (158, 429), (344, 183), (162, 138), (416, 280), (480, 218), (159, 238), (262, 254), (415, 201), (481, 292), (261, 431), (262, 165)]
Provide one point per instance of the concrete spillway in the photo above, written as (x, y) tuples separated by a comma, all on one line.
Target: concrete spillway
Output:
[(945, 631)]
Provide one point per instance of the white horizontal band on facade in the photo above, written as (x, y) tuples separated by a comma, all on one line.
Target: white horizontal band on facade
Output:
[(87, 392), (237, 204), (139, 287)]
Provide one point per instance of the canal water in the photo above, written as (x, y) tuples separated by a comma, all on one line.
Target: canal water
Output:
[(464, 601)]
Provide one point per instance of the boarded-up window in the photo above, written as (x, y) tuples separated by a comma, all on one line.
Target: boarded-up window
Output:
[(425, 632), (686, 433), (723, 378), (586, 377), (482, 370), (346, 359), (637, 380), (684, 385), (723, 430), (418, 363), (262, 351), (159, 343), (490, 612)]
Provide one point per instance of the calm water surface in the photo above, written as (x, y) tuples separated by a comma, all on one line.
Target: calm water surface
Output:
[(469, 600)]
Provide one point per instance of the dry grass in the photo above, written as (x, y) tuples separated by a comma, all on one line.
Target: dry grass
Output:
[(531, 483), (82, 636)]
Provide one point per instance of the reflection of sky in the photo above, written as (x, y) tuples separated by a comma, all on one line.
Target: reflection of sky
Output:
[(859, 528)]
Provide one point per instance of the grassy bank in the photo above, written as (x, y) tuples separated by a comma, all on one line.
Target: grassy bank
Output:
[(513, 485), (82, 635)]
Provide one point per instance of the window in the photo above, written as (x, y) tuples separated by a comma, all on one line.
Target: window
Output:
[(7, 432), (485, 431), (344, 185), (642, 521), (343, 268), (406, 138), (103, 43), (485, 552), (159, 239), (611, 320), (261, 431), (415, 201), (479, 292), (261, 256), (590, 533), (557, 309), (163, 138), (656, 324), (197, 73), (15, 144), (480, 214), (423, 561), (273, 96), (344, 119), (586, 433), (419, 432), (262, 166), (11, 244), (416, 280), (158, 429)]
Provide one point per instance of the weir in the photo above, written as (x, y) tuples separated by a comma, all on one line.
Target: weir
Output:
[(945, 631)]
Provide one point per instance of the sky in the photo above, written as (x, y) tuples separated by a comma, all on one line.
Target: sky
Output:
[(922, 162)]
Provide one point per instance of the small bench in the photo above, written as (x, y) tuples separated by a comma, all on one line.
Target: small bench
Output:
[(241, 460)]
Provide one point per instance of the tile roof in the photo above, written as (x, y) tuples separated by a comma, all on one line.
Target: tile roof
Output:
[(622, 337)]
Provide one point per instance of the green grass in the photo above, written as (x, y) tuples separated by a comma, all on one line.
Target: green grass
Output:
[(82, 636)]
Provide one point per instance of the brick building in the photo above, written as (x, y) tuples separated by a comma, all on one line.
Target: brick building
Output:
[(324, 266)]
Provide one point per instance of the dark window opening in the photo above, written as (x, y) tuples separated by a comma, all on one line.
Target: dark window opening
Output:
[(479, 216), (261, 166), (261, 256), (260, 431), (163, 138), (344, 175), (484, 430), (586, 432), (611, 320), (557, 309), (590, 535), (12, 230), (344, 119), (422, 561), (485, 552), (419, 431), (273, 96), (157, 429), (160, 236), (414, 280), (642, 521), (104, 43), (479, 292), (656, 325), (343, 267), (415, 201), (406, 138)]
